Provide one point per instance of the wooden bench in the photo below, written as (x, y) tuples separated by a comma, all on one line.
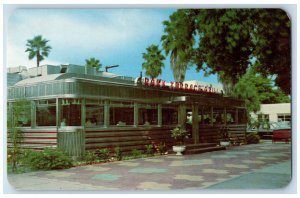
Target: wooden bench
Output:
[(281, 135)]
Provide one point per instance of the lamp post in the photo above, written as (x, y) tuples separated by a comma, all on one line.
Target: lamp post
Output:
[(111, 66)]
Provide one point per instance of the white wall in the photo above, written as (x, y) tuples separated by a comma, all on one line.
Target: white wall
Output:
[(273, 109)]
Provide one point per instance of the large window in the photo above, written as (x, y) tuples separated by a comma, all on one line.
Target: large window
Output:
[(231, 116), (46, 112), (205, 113), (218, 116), (71, 112), (169, 115), (284, 117), (94, 113), (121, 113), (147, 114), (21, 111)]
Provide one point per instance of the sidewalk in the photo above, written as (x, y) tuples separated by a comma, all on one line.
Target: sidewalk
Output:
[(262, 166)]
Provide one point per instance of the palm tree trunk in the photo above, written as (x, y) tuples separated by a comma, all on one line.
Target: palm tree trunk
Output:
[(38, 58)]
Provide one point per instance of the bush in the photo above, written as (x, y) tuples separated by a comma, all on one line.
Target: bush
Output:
[(149, 150), (161, 148), (118, 153), (252, 138), (47, 159), (136, 153), (90, 157), (103, 154)]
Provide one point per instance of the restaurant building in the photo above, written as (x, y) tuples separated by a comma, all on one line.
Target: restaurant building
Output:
[(77, 108)]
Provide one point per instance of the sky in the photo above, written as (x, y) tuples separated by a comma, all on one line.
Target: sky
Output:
[(114, 36)]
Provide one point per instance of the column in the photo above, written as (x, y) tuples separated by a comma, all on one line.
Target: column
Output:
[(159, 115), (195, 123), (211, 115), (106, 113), (135, 114), (83, 112), (33, 114), (58, 112), (182, 115)]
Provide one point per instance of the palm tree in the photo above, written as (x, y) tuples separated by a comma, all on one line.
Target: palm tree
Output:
[(92, 62), (153, 61), (37, 47), (179, 41)]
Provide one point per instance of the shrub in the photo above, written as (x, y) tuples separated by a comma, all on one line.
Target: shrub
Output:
[(161, 148), (136, 153), (90, 157), (118, 153), (179, 134), (103, 154), (47, 159), (252, 138), (149, 150)]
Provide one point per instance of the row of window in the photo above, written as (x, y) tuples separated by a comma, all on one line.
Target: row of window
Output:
[(121, 114)]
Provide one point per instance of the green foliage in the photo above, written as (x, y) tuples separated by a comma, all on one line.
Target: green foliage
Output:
[(90, 157), (179, 40), (103, 154), (92, 62), (136, 153), (153, 61), (252, 138), (231, 41), (161, 148), (47, 159), (179, 134), (37, 47), (149, 150), (118, 153), (18, 111)]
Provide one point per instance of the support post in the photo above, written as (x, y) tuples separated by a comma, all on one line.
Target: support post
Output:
[(135, 114), (182, 115), (106, 113), (159, 115), (33, 114), (195, 123), (211, 116), (83, 112)]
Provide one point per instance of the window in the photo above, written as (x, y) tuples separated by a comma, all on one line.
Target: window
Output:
[(71, 112), (121, 113), (242, 116), (46, 112), (218, 116), (94, 113), (230, 116), (284, 117), (205, 112), (148, 114), (169, 115), (21, 111)]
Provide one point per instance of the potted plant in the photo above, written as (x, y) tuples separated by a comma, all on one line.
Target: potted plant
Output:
[(225, 140), (179, 134)]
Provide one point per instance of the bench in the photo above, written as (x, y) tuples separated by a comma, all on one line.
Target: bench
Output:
[(281, 135)]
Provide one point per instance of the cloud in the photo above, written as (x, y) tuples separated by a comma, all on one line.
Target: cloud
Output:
[(76, 33)]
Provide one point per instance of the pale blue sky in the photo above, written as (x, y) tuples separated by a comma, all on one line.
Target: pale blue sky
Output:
[(115, 36)]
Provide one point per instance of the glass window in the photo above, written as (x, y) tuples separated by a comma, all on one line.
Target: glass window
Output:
[(71, 112), (21, 111), (284, 117), (121, 113), (205, 115), (148, 115), (94, 115), (218, 116), (242, 116), (46, 113), (169, 115), (230, 116)]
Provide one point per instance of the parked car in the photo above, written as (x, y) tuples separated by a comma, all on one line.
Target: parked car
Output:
[(265, 131)]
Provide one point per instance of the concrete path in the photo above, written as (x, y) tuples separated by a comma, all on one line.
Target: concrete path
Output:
[(261, 166)]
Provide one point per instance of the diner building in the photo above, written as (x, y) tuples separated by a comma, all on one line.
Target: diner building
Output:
[(77, 108)]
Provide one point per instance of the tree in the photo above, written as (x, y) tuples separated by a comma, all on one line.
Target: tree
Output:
[(18, 111), (37, 47), (256, 89), (231, 41), (178, 41), (153, 61), (92, 62)]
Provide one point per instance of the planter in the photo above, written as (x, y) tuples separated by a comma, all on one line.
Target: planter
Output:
[(178, 149), (225, 143)]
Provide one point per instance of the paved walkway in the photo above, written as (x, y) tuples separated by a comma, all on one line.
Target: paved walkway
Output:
[(262, 166)]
